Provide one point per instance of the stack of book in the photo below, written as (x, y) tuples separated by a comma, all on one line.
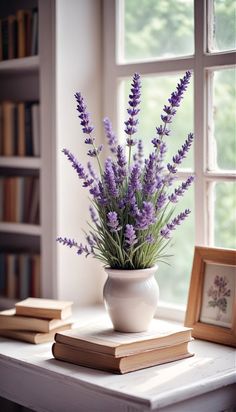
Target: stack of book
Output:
[(102, 348), (36, 320)]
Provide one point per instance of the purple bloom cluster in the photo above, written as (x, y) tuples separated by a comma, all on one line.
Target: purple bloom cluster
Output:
[(113, 222), (135, 176), (166, 232), (95, 151), (174, 102), (121, 163), (98, 193), (79, 168), (146, 216), (131, 196), (110, 179), (134, 101), (93, 215), (181, 155), (84, 116), (68, 242), (180, 190), (92, 171), (130, 235), (138, 157), (111, 137), (150, 179)]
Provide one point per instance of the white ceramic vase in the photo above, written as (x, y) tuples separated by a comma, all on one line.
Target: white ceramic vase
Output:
[(131, 298)]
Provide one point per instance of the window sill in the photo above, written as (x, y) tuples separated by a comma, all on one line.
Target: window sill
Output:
[(206, 381)]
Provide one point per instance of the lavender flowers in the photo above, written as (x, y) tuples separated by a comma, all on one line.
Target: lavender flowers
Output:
[(132, 199)]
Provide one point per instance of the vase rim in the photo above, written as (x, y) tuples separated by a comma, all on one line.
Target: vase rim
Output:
[(131, 273)]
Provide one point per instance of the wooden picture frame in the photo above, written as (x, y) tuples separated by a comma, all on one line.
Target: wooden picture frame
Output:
[(211, 307)]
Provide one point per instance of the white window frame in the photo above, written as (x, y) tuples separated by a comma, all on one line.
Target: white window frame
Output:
[(202, 63)]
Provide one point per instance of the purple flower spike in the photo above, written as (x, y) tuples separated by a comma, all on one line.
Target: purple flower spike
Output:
[(177, 96), (150, 239), (166, 232), (68, 242), (83, 115), (93, 215), (121, 162), (95, 152), (161, 201), (134, 101), (174, 101), (111, 137), (135, 175), (92, 171), (146, 216), (78, 168), (113, 221), (180, 156), (130, 236), (110, 179), (138, 157), (150, 179), (174, 197)]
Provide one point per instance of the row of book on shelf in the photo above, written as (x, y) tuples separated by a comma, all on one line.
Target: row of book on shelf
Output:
[(19, 34), (19, 128), (19, 275), (19, 199)]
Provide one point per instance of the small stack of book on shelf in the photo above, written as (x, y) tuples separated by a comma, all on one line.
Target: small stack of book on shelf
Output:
[(19, 34), (19, 275), (19, 128), (102, 348), (19, 199), (36, 320)]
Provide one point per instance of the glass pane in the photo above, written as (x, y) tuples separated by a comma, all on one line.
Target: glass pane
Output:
[(174, 280), (224, 120), (156, 29), (223, 26), (155, 93), (224, 214)]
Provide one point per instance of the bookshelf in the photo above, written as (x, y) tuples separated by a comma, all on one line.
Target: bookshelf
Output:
[(26, 79), (62, 67)]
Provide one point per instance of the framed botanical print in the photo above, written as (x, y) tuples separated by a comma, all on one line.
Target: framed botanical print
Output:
[(211, 308)]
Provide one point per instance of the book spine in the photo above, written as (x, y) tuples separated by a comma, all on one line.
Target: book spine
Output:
[(21, 33), (5, 39), (8, 128), (28, 130)]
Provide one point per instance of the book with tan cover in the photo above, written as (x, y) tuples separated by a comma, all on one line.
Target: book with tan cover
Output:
[(122, 364), (10, 321), (32, 337), (21, 150), (20, 16), (44, 308), (100, 337), (8, 128)]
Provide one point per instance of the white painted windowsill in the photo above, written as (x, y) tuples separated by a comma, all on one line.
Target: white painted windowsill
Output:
[(31, 377)]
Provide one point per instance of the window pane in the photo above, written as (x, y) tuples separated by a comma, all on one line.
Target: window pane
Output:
[(224, 121), (155, 93), (173, 280), (223, 27), (224, 214), (156, 29)]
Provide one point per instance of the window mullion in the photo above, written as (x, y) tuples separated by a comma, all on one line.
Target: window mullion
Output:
[(201, 230)]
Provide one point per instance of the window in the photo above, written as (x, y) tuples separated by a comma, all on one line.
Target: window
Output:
[(161, 40)]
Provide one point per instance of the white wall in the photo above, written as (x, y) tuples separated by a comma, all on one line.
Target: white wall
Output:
[(78, 68)]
